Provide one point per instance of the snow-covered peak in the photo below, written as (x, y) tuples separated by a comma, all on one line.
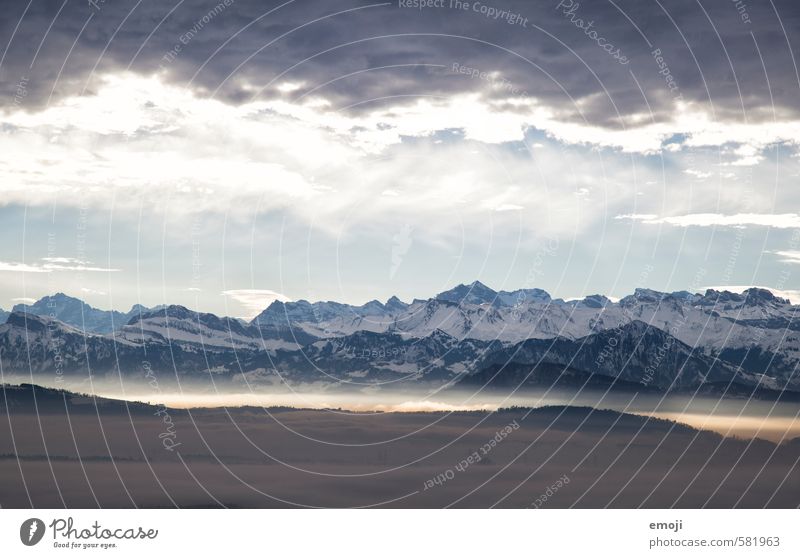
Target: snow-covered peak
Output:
[(474, 293)]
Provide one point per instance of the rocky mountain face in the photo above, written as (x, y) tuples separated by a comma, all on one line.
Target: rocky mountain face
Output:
[(634, 353), (78, 314), (470, 334), (366, 358)]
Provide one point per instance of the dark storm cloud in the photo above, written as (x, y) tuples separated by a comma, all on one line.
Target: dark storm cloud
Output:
[(713, 51)]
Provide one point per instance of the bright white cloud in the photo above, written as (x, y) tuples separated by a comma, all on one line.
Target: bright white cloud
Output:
[(778, 221), (52, 264), (748, 155), (508, 207), (698, 174), (288, 86), (181, 153), (92, 291), (21, 267), (255, 300), (139, 139), (62, 260), (637, 217), (792, 295), (789, 256), (77, 267)]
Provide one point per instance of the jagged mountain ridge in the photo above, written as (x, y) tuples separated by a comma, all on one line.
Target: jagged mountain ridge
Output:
[(76, 313), (634, 353), (749, 338), (42, 346)]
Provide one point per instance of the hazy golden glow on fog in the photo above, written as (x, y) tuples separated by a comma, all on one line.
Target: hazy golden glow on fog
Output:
[(770, 428), (730, 418), (775, 421), (310, 401)]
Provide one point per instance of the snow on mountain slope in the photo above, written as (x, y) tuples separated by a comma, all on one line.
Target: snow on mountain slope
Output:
[(31, 343), (713, 321), (367, 358), (179, 325), (302, 311), (78, 314), (635, 352), (754, 330), (755, 333), (478, 293)]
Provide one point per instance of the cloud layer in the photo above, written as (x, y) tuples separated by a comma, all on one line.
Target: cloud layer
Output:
[(271, 123)]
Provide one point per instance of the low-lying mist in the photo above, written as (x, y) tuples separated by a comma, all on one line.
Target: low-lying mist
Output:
[(741, 417)]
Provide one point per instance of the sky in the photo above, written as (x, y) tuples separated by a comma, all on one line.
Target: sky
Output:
[(223, 154)]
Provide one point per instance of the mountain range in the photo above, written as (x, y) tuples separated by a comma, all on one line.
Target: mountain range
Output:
[(469, 335), (75, 312)]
